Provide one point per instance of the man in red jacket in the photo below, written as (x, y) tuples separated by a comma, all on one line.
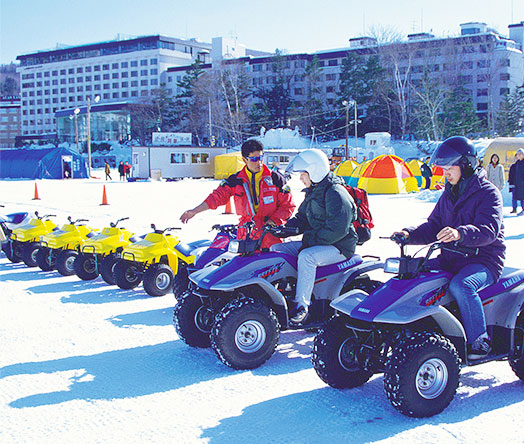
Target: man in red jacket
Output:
[(260, 195)]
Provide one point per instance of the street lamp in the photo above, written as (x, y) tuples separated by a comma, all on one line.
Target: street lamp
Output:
[(75, 116), (346, 103), (96, 99), (355, 121)]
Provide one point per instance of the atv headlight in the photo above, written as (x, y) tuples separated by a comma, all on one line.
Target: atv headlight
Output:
[(392, 265), (233, 246)]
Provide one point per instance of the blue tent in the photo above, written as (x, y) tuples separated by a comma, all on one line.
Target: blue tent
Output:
[(42, 163)]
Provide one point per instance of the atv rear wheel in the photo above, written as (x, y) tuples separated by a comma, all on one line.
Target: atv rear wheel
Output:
[(107, 268), (13, 251), (245, 333), (46, 259), (517, 363), (193, 320), (335, 356), (29, 254), (86, 267), (158, 280), (181, 280), (65, 262), (127, 274), (422, 374)]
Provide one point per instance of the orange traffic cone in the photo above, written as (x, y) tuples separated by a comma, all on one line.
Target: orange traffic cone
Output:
[(36, 193), (104, 197), (229, 207)]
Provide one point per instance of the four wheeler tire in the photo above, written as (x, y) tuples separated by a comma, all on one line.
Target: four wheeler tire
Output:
[(86, 267), (517, 364), (46, 258), (193, 320), (335, 356), (245, 333), (65, 262), (422, 374), (158, 280), (127, 274), (13, 251), (107, 268), (29, 251), (181, 280)]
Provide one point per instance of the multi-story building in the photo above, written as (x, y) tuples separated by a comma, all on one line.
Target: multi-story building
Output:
[(9, 120), (481, 60), (119, 70)]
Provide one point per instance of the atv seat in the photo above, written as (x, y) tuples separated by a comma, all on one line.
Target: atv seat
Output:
[(511, 277), (15, 218)]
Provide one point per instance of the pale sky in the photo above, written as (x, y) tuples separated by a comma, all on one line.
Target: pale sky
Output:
[(293, 25)]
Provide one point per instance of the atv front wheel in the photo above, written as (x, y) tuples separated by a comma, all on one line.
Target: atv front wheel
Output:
[(245, 333), (86, 267), (517, 363), (29, 254), (46, 258), (422, 374), (158, 280), (335, 356), (65, 262), (181, 280), (107, 268), (127, 274), (193, 320), (13, 251)]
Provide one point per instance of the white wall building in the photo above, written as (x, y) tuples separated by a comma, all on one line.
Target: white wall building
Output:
[(118, 70)]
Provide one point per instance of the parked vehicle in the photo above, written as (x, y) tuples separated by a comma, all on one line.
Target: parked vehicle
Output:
[(60, 247), (9, 222), (238, 306), (409, 329), (99, 253), (25, 240)]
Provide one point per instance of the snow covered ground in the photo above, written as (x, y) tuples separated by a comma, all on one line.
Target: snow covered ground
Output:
[(84, 362)]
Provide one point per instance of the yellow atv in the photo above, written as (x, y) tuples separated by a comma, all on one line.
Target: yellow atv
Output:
[(99, 253), (60, 248), (25, 241), (157, 260)]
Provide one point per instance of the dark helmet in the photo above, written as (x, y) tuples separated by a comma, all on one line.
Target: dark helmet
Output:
[(456, 150)]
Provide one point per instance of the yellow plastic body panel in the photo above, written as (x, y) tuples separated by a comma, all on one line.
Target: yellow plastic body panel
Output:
[(108, 241), (33, 230), (69, 237)]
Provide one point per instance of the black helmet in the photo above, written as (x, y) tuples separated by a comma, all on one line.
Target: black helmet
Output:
[(456, 150)]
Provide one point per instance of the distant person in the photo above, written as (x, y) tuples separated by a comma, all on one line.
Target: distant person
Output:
[(426, 172), (127, 170), (495, 172), (108, 171), (122, 171), (516, 181), (67, 170)]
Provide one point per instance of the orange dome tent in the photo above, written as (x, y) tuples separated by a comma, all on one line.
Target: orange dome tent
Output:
[(388, 174), (437, 180)]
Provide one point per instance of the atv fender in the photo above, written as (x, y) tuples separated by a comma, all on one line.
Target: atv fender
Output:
[(403, 315)]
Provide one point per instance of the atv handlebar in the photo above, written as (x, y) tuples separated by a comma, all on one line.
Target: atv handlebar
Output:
[(153, 226), (225, 228), (114, 224), (70, 219)]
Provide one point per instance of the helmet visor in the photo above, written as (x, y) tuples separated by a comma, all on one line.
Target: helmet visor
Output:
[(445, 156), (297, 165)]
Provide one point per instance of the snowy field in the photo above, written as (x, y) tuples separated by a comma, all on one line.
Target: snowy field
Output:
[(84, 362)]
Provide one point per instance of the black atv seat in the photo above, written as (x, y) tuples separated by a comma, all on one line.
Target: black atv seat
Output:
[(136, 238)]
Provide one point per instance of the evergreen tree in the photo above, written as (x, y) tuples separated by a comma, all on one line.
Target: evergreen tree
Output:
[(459, 117), (313, 108), (510, 117)]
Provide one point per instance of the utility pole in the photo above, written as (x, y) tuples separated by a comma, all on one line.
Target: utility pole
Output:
[(356, 121), (346, 104), (210, 122)]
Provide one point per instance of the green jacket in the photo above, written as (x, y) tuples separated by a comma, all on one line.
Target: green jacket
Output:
[(326, 216)]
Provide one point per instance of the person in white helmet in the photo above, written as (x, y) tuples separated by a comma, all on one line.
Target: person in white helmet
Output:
[(325, 219)]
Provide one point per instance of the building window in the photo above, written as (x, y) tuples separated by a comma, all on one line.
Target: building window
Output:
[(330, 89), (179, 158), (71, 71), (88, 87), (144, 92), (115, 85), (482, 106), (134, 93), (97, 77), (154, 72), (143, 72), (482, 92), (106, 95), (79, 70), (124, 75), (105, 67), (79, 79), (106, 86), (124, 94), (72, 89), (333, 62), (504, 76), (106, 76), (153, 62), (504, 91), (154, 81), (199, 158), (134, 63), (79, 98), (143, 62), (123, 65), (134, 73), (134, 82), (88, 78), (114, 66), (115, 95), (299, 91), (114, 75), (483, 63), (88, 69), (97, 67), (125, 84)]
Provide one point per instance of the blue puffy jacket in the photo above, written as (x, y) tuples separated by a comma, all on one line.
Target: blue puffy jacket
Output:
[(477, 214)]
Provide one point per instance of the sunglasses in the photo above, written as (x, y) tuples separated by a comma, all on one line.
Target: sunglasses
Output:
[(254, 158)]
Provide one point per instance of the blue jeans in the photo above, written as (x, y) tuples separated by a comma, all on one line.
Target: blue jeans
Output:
[(515, 203), (464, 287)]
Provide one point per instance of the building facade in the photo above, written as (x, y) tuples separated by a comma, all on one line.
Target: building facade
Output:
[(9, 120), (119, 70)]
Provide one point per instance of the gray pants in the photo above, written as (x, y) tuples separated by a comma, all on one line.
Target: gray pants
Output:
[(308, 261)]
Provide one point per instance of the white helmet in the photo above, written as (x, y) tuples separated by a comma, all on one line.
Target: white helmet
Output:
[(313, 161)]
